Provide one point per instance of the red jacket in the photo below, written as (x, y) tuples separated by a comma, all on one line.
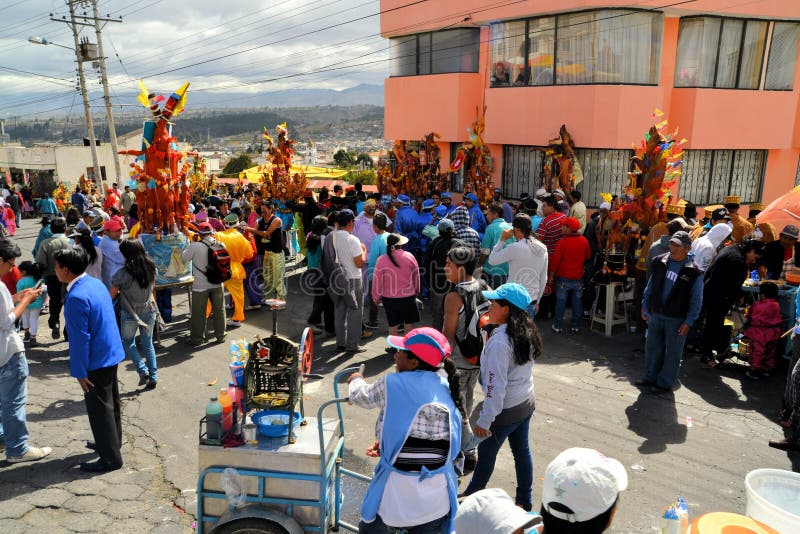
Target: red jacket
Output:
[(568, 259)]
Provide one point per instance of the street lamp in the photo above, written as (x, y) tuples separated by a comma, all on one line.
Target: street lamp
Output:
[(98, 177)]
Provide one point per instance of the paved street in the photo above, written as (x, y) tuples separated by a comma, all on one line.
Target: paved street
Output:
[(584, 398)]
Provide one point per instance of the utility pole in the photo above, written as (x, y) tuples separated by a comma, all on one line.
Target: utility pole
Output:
[(112, 132)]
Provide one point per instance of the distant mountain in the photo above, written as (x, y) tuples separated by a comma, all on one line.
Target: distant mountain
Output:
[(361, 94)]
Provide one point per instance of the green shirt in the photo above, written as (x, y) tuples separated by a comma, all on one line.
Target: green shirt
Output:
[(490, 239)]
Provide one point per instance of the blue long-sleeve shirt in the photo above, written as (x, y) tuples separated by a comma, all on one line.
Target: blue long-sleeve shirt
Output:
[(477, 220), (44, 233), (696, 297)]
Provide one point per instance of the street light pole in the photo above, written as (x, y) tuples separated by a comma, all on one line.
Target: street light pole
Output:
[(112, 132), (98, 177)]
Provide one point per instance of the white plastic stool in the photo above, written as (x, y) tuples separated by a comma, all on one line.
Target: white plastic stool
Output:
[(610, 319)]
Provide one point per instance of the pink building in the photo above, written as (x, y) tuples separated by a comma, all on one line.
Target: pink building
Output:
[(724, 72)]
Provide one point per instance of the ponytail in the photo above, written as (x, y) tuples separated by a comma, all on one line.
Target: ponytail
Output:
[(391, 257), (452, 379)]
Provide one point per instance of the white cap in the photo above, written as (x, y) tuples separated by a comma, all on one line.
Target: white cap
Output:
[(584, 481), (605, 206), (541, 192), (560, 193), (491, 511), (191, 208)]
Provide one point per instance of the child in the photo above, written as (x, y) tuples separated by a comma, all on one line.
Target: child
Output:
[(30, 317), (764, 331), (10, 220)]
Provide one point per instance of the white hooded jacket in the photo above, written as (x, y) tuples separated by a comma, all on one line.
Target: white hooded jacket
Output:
[(705, 248)]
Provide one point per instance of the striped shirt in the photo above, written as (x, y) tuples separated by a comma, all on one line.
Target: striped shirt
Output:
[(549, 231)]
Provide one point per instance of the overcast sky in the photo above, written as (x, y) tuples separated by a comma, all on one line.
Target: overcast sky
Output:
[(160, 40)]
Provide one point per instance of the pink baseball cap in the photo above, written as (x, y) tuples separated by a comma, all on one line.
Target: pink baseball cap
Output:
[(426, 343)]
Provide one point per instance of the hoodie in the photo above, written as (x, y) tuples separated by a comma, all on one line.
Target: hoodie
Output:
[(460, 218), (705, 247)]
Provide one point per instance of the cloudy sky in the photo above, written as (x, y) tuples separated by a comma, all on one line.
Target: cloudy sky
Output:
[(228, 50)]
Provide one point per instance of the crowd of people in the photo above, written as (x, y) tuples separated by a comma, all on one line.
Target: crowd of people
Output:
[(487, 273)]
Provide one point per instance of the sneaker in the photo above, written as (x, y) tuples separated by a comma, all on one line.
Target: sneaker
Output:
[(366, 334), (315, 328), (33, 454), (55, 332), (32, 343), (233, 324), (45, 310), (575, 330), (785, 444), (352, 352), (151, 384), (556, 329), (27, 336), (143, 379), (371, 326)]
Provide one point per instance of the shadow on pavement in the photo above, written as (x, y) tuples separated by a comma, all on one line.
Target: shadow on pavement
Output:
[(24, 478), (654, 418)]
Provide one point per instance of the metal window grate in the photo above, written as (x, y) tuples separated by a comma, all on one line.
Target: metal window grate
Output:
[(522, 170), (710, 175)]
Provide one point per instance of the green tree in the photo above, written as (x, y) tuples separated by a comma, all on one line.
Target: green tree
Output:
[(366, 176), (343, 159), (238, 164), (365, 160)]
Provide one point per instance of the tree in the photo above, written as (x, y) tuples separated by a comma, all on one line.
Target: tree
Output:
[(365, 160), (238, 164), (343, 159)]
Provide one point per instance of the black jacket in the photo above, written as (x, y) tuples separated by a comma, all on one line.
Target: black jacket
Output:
[(679, 298), (726, 274), (435, 258), (773, 258)]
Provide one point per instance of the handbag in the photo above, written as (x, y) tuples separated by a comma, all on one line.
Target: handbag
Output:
[(160, 324)]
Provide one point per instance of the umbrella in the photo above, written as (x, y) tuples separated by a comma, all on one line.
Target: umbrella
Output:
[(782, 211)]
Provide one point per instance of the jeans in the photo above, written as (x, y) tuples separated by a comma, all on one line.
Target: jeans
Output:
[(348, 319), (531, 310), (517, 434), (129, 328), (13, 396), (572, 289), (663, 350), (379, 527)]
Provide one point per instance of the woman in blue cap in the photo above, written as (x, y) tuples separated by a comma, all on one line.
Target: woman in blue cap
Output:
[(507, 381), (414, 487)]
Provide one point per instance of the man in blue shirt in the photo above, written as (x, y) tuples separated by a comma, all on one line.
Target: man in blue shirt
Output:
[(95, 350), (476, 219), (671, 304), (78, 199), (447, 202), (405, 223)]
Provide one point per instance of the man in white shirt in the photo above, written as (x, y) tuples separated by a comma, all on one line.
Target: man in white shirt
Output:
[(14, 366), (577, 208), (203, 290), (351, 255)]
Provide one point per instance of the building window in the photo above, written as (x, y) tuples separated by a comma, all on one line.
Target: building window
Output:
[(612, 46), (439, 52), (730, 53), (782, 56), (710, 175), (604, 171)]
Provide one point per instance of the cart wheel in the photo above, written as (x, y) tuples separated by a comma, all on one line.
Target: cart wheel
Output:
[(250, 525), (306, 352)]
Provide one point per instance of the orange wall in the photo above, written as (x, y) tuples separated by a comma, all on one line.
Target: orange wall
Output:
[(435, 14), (780, 174)]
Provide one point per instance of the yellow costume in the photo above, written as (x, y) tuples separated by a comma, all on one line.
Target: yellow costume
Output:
[(741, 227), (239, 249)]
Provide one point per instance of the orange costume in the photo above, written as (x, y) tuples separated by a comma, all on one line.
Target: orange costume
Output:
[(240, 250)]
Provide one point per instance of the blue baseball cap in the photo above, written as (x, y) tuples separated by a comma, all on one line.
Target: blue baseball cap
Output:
[(513, 293), (447, 194), (471, 196), (428, 204), (441, 211), (403, 199)]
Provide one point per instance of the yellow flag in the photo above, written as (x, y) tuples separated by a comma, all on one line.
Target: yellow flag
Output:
[(182, 102), (142, 98)]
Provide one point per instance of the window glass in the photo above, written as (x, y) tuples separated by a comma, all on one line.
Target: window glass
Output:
[(782, 56), (403, 56), (541, 43), (755, 39), (697, 52), (728, 57), (508, 54), (576, 48), (455, 50), (424, 53)]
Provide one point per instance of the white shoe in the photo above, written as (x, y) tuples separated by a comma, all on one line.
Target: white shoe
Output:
[(233, 324), (33, 454)]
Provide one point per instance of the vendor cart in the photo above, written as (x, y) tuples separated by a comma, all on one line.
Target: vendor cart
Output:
[(290, 487)]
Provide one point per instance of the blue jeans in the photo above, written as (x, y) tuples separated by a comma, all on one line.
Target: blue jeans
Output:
[(517, 434), (531, 310), (379, 527), (495, 280), (572, 289), (13, 396), (663, 350), (128, 329)]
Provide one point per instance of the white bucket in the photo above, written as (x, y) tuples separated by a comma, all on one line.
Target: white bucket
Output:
[(773, 497)]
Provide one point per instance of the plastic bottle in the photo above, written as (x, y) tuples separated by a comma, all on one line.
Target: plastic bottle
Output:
[(227, 409), (236, 395), (214, 419)]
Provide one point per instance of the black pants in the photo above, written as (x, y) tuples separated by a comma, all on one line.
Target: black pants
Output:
[(103, 408), (55, 289), (715, 311)]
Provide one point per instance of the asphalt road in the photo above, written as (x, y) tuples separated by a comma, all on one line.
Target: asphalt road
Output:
[(584, 397)]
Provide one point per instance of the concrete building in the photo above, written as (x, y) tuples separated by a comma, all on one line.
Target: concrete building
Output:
[(724, 72)]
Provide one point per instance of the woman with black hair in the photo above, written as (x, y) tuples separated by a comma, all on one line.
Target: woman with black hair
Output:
[(85, 242), (507, 381), (395, 281), (134, 283), (314, 281), (418, 436), (73, 216)]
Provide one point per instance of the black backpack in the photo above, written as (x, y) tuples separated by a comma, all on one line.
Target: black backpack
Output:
[(219, 263), (475, 306)]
